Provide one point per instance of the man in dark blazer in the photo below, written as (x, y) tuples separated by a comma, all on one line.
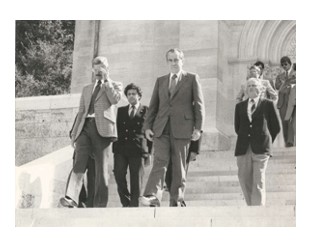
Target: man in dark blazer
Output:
[(257, 125), (175, 117), (131, 148), (94, 130)]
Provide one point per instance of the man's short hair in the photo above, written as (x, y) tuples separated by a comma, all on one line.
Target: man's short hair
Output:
[(175, 50), (260, 64), (284, 60), (132, 86), (100, 61)]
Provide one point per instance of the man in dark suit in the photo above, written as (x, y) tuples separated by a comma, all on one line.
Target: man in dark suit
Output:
[(131, 148), (257, 125), (175, 117), (94, 130)]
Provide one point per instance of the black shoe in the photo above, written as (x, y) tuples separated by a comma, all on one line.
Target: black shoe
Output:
[(289, 144), (149, 201), (68, 203)]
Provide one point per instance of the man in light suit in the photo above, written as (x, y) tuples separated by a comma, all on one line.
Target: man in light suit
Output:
[(257, 125), (175, 117), (93, 132)]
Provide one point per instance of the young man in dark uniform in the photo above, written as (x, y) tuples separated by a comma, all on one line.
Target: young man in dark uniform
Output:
[(132, 148)]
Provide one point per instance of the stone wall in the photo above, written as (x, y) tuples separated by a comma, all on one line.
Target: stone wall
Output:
[(42, 125)]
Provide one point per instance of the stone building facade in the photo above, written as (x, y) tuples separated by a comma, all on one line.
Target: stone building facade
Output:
[(219, 51)]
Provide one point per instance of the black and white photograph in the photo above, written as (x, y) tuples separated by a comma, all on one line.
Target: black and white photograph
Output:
[(159, 122)]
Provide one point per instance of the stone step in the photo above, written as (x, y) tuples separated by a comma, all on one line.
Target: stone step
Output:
[(272, 198), (210, 203), (204, 189), (164, 216)]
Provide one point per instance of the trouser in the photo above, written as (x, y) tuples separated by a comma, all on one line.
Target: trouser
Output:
[(86, 195), (167, 147), (135, 164), (288, 131), (251, 175), (90, 142)]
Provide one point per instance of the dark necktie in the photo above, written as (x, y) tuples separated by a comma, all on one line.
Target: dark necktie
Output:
[(253, 106), (132, 113), (173, 85), (94, 95)]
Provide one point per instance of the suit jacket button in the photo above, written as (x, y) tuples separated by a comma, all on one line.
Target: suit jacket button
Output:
[(126, 138), (126, 130), (250, 125), (249, 135)]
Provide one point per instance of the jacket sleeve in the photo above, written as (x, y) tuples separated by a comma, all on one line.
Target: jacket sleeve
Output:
[(198, 104), (272, 93), (153, 108), (273, 121), (79, 116), (237, 119), (113, 91)]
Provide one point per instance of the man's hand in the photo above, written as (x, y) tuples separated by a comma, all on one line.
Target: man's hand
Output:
[(105, 74), (196, 135), (149, 134), (73, 143)]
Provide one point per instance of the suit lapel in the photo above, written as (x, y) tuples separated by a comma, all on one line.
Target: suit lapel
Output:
[(245, 104), (257, 110), (165, 85), (99, 92), (180, 83), (138, 113), (88, 95)]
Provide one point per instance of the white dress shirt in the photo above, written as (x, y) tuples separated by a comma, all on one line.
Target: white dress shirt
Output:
[(177, 79)]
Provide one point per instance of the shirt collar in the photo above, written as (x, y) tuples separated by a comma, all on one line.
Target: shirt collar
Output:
[(290, 69), (136, 106), (256, 99), (178, 75)]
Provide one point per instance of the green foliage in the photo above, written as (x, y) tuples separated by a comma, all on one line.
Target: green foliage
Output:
[(43, 57)]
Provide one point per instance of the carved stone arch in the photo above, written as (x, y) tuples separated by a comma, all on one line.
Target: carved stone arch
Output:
[(267, 40)]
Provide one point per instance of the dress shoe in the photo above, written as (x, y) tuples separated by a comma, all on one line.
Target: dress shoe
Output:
[(177, 204), (150, 201), (68, 203)]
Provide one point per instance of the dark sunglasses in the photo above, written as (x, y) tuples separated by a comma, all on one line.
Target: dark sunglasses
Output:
[(285, 64)]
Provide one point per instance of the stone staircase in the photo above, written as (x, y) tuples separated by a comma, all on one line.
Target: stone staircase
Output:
[(213, 195), (212, 181)]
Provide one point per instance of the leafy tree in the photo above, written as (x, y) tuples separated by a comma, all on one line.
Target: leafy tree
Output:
[(43, 57)]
